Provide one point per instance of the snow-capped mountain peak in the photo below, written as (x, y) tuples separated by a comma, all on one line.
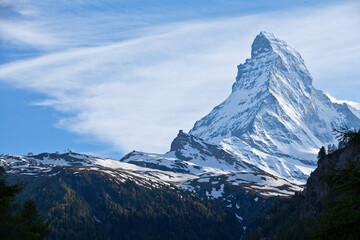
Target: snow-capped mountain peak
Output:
[(270, 55), (273, 122), (274, 117), (267, 43)]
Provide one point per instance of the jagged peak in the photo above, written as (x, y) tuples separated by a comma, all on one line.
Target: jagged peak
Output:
[(266, 42), (270, 55), (267, 35), (180, 140), (262, 43)]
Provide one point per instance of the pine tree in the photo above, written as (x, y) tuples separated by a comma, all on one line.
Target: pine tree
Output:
[(8, 207), (32, 221), (348, 136), (16, 221), (322, 153)]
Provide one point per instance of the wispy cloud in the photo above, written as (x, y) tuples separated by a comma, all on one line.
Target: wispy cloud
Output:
[(54, 26), (137, 93), (26, 33)]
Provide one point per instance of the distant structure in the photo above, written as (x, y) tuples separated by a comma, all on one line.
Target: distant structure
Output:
[(57, 152), (30, 154)]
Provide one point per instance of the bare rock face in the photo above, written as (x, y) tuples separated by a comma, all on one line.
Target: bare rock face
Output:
[(184, 141)]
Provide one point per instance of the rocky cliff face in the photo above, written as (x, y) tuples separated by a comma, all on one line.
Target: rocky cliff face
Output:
[(316, 190)]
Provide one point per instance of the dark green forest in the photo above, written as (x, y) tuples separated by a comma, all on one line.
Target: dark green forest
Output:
[(91, 205)]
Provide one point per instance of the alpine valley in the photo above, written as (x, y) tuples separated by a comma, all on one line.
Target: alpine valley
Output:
[(260, 144)]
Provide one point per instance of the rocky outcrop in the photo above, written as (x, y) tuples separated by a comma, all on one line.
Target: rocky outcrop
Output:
[(184, 141), (316, 189)]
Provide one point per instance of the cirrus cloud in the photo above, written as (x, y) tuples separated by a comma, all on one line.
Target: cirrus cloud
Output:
[(137, 93)]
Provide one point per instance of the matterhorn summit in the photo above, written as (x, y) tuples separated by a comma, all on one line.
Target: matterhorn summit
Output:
[(273, 122), (274, 117)]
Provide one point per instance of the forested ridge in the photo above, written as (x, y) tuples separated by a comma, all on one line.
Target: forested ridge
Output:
[(328, 208), (91, 205)]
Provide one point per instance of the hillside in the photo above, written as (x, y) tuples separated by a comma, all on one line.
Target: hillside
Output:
[(329, 206), (83, 203)]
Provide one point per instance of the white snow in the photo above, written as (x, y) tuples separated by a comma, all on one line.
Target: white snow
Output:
[(239, 217), (203, 180), (96, 219), (217, 193)]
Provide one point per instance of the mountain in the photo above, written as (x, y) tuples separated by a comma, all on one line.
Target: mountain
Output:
[(45, 164), (49, 164), (193, 156), (274, 118), (273, 122)]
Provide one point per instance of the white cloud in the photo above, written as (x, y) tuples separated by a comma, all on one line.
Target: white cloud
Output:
[(26, 33), (355, 105), (136, 94), (49, 25)]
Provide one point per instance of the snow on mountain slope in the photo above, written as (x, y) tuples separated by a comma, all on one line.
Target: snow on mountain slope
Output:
[(45, 163), (274, 118), (50, 164), (353, 106), (190, 154), (215, 167), (260, 183)]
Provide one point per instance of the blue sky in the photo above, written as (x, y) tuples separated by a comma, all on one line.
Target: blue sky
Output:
[(107, 77)]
